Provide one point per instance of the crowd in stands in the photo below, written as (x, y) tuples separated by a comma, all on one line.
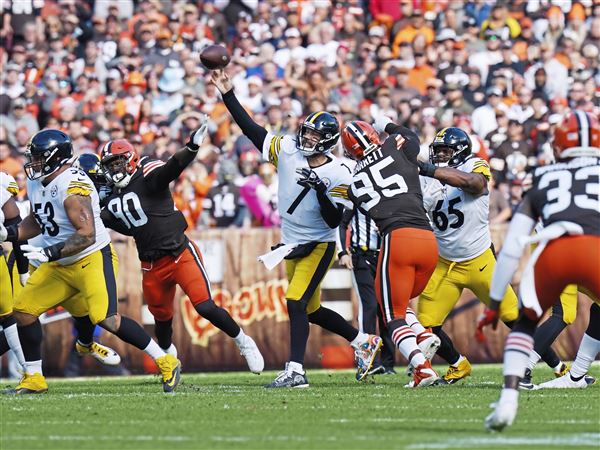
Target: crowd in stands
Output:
[(505, 71)]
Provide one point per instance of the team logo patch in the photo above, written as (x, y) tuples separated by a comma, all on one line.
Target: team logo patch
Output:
[(326, 181), (54, 191)]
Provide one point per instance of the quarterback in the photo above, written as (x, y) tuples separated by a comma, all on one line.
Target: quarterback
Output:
[(311, 209), (76, 258)]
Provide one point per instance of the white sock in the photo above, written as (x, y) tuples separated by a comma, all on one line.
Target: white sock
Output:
[(360, 339), (293, 366), (460, 359), (558, 366), (588, 349), (172, 350), (84, 345), (509, 395), (32, 367), (12, 337), (534, 358), (153, 350), (413, 322), (239, 339), (517, 349), (405, 339)]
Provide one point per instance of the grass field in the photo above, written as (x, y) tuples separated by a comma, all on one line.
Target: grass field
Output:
[(232, 410)]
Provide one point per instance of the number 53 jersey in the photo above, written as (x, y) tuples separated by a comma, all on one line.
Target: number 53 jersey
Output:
[(47, 206), (460, 220)]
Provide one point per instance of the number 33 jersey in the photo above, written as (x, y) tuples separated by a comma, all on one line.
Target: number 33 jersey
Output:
[(145, 210), (460, 220), (47, 206), (301, 219)]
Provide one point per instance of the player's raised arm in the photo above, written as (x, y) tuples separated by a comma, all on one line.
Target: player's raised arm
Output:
[(449, 149), (411, 143), (250, 128)]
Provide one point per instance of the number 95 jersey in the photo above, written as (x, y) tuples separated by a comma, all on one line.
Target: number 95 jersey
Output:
[(460, 220), (47, 206)]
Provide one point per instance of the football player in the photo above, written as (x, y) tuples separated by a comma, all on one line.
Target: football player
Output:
[(564, 196), (311, 209), (76, 258), (9, 216), (141, 205), (386, 187)]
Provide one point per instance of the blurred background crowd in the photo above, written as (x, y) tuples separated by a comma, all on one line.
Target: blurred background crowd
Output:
[(505, 71)]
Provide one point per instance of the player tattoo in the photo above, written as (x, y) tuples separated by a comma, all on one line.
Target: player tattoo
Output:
[(80, 212)]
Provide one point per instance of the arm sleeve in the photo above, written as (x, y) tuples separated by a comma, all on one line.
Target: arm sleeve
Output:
[(406, 140), (159, 174), (21, 260), (341, 235), (508, 260), (330, 211), (250, 128)]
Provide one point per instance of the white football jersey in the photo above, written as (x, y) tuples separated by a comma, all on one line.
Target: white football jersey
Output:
[(8, 188), (459, 219), (301, 219), (47, 205)]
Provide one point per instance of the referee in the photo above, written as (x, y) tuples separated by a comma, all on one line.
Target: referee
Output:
[(361, 256)]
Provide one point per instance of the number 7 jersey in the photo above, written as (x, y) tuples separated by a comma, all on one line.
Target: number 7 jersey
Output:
[(460, 220)]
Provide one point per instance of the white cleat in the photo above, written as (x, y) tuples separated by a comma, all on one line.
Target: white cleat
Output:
[(102, 353), (564, 382), (254, 358), (429, 344), (503, 416)]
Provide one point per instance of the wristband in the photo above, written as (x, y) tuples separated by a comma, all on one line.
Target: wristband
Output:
[(53, 251)]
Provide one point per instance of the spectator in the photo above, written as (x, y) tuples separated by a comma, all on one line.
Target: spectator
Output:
[(17, 118), (484, 117)]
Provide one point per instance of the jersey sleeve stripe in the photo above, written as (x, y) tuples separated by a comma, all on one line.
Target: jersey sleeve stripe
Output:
[(148, 168), (78, 190), (13, 188), (274, 149)]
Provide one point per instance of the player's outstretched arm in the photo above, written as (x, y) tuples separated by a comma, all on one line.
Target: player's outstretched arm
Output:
[(474, 183), (22, 231), (161, 175), (12, 217), (250, 128)]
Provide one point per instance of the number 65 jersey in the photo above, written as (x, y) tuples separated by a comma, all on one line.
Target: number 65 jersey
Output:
[(47, 206), (460, 220)]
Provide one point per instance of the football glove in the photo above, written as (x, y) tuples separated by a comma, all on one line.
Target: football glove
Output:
[(309, 178), (23, 277), (51, 253), (426, 169), (3, 233), (381, 122), (198, 135), (489, 317)]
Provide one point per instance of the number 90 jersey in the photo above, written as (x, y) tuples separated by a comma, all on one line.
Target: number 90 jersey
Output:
[(47, 206), (568, 191), (460, 220), (301, 219)]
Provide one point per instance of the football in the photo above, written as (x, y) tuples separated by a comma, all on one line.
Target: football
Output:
[(214, 57)]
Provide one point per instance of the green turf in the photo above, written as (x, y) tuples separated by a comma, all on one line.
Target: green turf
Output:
[(232, 410)]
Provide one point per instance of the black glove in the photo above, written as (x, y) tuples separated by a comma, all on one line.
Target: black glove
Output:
[(426, 169), (309, 178)]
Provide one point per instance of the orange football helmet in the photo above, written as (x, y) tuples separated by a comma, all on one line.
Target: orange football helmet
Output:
[(578, 134), (119, 160), (359, 139)]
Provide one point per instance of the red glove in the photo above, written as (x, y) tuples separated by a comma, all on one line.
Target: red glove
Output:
[(489, 317)]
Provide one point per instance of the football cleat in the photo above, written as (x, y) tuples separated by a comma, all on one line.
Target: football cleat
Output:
[(429, 344), (564, 382), (456, 373), (289, 379), (424, 375), (365, 355), (170, 369), (526, 382), (589, 380), (31, 384), (562, 371), (171, 350), (254, 358), (105, 355), (382, 370), (503, 416)]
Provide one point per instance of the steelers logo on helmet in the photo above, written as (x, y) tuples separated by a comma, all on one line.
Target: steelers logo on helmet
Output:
[(119, 160), (450, 147), (46, 152), (90, 164), (318, 133)]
